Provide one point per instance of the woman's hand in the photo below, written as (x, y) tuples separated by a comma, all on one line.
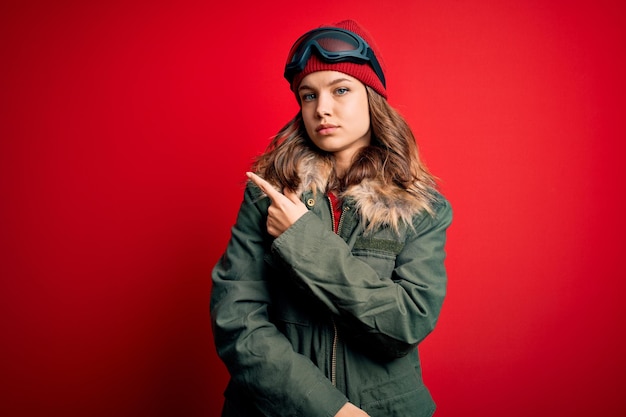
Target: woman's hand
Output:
[(351, 410), (285, 208)]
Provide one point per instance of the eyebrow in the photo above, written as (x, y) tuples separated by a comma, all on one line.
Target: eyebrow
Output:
[(333, 82)]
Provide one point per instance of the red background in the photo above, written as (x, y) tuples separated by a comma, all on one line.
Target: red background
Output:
[(125, 132)]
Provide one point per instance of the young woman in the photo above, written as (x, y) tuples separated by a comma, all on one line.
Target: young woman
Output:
[(335, 269)]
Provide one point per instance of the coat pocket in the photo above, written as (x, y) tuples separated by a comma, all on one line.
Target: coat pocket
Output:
[(380, 254), (402, 396)]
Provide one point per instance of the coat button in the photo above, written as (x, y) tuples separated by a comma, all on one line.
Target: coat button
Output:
[(310, 202)]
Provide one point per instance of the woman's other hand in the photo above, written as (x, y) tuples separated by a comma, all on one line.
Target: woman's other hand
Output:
[(351, 410)]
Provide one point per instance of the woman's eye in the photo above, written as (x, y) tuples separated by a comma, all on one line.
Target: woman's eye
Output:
[(341, 91), (308, 97)]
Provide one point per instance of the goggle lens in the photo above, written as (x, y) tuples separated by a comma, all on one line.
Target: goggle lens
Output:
[(336, 42), (331, 45)]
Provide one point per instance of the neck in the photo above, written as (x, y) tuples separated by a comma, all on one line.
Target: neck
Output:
[(341, 167), (343, 162)]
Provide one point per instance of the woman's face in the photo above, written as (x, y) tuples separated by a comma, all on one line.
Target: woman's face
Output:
[(336, 113)]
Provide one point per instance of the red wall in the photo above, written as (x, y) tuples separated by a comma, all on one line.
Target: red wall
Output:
[(125, 132)]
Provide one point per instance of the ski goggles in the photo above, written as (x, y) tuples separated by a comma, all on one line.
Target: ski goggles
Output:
[(331, 45)]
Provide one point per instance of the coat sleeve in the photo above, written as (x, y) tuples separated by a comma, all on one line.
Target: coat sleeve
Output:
[(259, 358), (390, 315)]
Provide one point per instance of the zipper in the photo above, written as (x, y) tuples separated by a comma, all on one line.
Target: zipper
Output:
[(333, 349), (345, 209), (333, 357), (332, 213), (333, 354)]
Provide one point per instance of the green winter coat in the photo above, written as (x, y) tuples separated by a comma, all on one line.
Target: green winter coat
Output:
[(313, 319)]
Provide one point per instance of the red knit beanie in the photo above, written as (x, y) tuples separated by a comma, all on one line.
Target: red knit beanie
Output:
[(362, 72)]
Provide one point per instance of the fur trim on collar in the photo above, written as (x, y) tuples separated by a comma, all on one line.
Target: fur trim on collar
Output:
[(378, 204)]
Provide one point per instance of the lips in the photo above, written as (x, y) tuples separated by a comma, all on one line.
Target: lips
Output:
[(326, 129)]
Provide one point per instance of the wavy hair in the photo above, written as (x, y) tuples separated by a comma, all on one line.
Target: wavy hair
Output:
[(391, 158)]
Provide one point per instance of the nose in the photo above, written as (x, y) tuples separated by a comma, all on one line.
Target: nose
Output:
[(324, 105)]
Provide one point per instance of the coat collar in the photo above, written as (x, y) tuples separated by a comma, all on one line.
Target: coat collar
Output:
[(378, 204)]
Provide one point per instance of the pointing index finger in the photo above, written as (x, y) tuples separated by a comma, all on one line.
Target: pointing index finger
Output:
[(265, 186)]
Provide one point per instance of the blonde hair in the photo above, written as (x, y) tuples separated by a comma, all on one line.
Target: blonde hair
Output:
[(391, 158)]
